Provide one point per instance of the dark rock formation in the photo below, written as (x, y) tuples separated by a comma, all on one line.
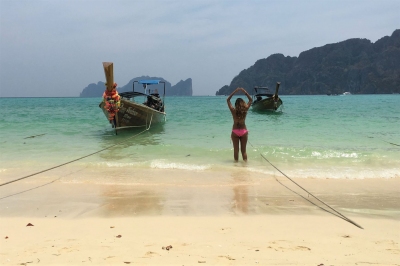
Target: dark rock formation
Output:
[(182, 88), (354, 65)]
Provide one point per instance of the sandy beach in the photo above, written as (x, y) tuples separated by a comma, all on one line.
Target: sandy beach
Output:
[(169, 217)]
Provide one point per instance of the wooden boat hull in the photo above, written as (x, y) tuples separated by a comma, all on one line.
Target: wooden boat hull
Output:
[(132, 114), (267, 104)]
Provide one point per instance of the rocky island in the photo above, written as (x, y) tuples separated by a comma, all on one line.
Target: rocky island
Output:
[(355, 65), (182, 88)]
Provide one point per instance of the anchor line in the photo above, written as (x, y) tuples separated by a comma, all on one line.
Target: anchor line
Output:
[(80, 158), (336, 212), (379, 138)]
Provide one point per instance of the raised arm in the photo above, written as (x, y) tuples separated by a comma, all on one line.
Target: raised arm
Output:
[(228, 100), (248, 97)]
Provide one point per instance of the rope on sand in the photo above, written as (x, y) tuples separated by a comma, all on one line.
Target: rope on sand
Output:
[(336, 213), (80, 158)]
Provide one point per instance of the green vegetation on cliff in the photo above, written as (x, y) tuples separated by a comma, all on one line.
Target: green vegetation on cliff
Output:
[(354, 65)]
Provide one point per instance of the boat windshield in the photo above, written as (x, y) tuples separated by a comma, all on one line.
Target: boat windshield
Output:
[(261, 90)]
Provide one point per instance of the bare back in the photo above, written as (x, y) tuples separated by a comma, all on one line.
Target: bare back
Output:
[(238, 122)]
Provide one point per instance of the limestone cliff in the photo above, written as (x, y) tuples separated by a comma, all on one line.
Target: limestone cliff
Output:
[(355, 65), (182, 88)]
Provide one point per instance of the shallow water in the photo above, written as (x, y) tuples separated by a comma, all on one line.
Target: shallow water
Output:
[(356, 136)]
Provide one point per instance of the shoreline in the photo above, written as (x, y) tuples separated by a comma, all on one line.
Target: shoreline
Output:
[(217, 192), (223, 218)]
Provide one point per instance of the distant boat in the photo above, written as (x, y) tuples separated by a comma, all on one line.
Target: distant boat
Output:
[(346, 93), (265, 101), (132, 109)]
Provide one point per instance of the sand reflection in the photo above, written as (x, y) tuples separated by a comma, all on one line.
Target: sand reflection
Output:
[(240, 193), (131, 200)]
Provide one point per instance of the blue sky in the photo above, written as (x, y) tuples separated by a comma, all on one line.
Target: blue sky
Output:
[(56, 47)]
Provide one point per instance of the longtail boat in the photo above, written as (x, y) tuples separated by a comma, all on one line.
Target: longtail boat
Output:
[(263, 100), (132, 109)]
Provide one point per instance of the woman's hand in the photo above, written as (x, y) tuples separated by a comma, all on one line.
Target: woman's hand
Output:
[(248, 96), (245, 92)]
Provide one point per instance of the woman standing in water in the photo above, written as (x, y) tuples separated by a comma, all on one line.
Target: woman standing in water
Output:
[(239, 130)]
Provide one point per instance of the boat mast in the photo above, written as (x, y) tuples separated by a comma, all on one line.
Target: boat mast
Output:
[(277, 88), (109, 72)]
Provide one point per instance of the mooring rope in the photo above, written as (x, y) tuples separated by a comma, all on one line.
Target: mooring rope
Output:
[(358, 133), (80, 158), (306, 199), (379, 138), (48, 183), (336, 212)]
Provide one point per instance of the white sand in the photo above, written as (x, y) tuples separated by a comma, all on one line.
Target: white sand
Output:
[(207, 218)]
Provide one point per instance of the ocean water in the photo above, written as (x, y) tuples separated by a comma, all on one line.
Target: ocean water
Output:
[(354, 136)]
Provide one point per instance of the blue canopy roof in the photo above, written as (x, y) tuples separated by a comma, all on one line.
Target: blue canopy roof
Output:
[(149, 81)]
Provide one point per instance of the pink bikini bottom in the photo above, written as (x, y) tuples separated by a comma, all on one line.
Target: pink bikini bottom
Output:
[(240, 131)]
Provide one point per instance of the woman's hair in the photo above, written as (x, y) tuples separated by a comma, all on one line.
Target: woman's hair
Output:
[(240, 108)]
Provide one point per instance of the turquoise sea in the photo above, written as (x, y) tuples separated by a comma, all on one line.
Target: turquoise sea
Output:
[(353, 136)]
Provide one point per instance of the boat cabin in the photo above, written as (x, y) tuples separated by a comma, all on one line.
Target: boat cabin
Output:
[(152, 99)]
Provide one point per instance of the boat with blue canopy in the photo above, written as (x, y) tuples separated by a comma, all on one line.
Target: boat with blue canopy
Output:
[(134, 108)]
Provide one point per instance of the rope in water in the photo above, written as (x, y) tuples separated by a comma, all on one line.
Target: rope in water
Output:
[(337, 213), (359, 133), (80, 158), (379, 138)]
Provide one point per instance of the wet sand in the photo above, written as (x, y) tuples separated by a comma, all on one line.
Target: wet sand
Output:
[(208, 217)]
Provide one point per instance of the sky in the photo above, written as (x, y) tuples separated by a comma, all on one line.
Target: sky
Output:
[(55, 48)]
